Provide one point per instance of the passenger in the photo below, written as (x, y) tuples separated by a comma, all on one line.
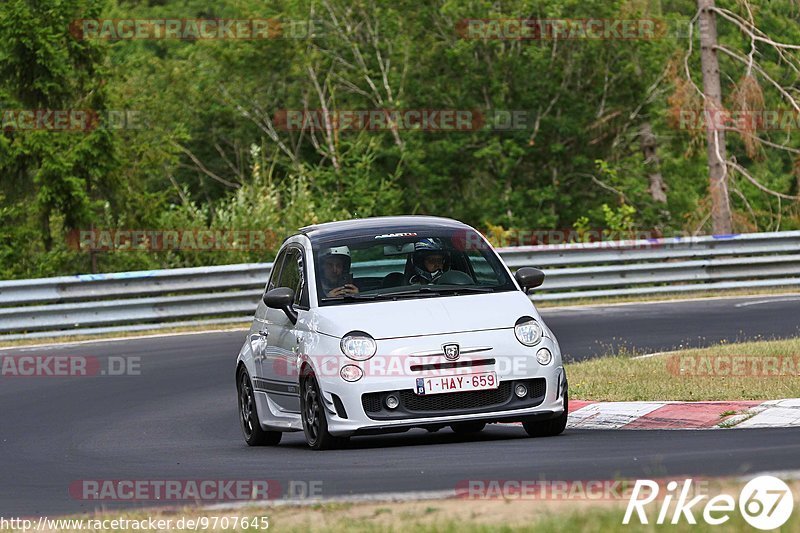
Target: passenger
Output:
[(430, 261)]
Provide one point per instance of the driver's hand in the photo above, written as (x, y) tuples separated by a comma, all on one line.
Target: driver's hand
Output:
[(344, 290), (351, 289)]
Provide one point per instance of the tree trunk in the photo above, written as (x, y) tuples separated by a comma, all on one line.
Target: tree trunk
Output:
[(47, 235), (715, 139), (647, 141)]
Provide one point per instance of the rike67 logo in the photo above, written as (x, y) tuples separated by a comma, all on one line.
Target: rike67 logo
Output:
[(765, 503)]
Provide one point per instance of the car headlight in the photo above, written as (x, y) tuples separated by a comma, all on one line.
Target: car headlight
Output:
[(543, 356), (528, 331), (358, 345)]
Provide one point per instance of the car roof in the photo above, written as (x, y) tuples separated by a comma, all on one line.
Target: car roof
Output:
[(380, 225)]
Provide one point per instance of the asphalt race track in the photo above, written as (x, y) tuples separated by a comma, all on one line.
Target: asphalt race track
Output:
[(585, 332), (178, 420)]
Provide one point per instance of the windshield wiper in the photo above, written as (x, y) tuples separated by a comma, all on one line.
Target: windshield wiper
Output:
[(404, 294), (435, 290), (348, 297), (423, 291), (459, 288)]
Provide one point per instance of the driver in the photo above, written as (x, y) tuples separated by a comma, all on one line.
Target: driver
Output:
[(336, 278), (430, 261)]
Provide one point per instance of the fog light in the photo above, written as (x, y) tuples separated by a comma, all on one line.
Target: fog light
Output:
[(521, 390), (351, 373), (392, 402), (544, 356)]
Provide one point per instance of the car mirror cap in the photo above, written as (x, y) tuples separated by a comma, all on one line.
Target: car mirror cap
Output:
[(279, 298), (529, 277)]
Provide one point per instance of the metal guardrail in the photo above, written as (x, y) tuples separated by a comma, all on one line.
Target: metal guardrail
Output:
[(130, 301)]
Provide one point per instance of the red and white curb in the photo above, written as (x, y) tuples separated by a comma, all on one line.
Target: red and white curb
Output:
[(684, 415)]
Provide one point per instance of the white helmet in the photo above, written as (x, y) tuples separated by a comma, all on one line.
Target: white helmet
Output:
[(337, 250), (343, 254)]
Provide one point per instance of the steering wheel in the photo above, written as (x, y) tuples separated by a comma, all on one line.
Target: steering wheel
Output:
[(454, 277)]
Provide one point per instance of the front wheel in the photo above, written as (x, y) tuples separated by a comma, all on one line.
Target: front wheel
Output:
[(315, 421), (549, 428), (254, 435)]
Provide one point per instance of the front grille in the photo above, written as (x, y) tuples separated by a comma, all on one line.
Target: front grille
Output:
[(456, 401), (447, 366), (371, 402), (536, 388), (414, 406)]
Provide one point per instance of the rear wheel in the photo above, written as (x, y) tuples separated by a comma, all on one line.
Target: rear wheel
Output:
[(254, 435), (549, 428), (315, 421), (465, 428)]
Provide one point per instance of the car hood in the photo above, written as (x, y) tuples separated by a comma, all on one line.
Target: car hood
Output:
[(425, 316)]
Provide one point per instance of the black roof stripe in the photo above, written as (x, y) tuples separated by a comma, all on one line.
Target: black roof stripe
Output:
[(380, 225)]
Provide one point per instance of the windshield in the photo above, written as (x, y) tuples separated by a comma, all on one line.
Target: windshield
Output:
[(407, 265)]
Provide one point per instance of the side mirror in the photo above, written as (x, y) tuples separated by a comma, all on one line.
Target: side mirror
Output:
[(282, 298), (529, 277)]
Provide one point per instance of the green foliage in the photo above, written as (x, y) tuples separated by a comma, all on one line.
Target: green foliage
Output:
[(210, 155), (619, 221)]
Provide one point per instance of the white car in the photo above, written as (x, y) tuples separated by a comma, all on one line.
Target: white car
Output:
[(385, 324)]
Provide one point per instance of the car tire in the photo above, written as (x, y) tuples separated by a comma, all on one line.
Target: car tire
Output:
[(254, 435), (315, 419), (549, 428), (465, 428)]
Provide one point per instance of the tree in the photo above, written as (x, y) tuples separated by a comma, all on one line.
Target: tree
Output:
[(715, 139), (43, 69), (769, 62)]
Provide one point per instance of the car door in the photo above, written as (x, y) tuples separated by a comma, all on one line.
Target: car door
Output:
[(284, 339), (259, 330)]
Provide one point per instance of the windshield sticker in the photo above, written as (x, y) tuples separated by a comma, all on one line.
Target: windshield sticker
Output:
[(393, 235)]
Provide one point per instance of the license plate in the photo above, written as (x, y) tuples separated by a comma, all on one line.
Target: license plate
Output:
[(462, 383)]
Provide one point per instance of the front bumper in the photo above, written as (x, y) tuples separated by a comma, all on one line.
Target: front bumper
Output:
[(361, 424), (489, 419), (359, 408), (411, 406)]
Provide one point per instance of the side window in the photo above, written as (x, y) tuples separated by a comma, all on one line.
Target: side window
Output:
[(484, 272), (276, 271), (301, 296), (290, 274)]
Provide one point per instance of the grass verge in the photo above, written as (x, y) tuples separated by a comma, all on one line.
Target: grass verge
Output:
[(567, 514), (764, 370)]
